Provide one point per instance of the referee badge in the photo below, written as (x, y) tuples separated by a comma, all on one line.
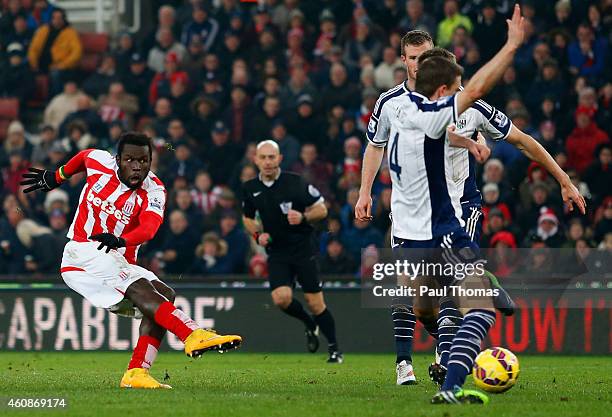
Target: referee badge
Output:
[(285, 206)]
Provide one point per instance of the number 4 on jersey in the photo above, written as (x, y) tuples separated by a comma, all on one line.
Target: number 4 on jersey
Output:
[(393, 165)]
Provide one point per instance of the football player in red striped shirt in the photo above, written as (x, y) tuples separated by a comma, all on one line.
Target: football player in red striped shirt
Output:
[(120, 208)]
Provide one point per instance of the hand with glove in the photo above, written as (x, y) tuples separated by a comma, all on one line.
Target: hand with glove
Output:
[(109, 240), (39, 179)]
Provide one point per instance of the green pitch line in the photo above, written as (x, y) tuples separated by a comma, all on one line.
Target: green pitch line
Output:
[(241, 384)]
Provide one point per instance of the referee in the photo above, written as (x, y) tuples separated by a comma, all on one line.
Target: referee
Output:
[(286, 206)]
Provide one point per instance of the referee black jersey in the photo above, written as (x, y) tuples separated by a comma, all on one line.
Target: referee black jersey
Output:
[(273, 202)]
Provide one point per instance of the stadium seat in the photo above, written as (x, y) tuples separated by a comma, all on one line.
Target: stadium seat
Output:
[(94, 44), (41, 94), (9, 111)]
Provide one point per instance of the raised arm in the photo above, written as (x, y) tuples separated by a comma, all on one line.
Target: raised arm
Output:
[(487, 76), (47, 180)]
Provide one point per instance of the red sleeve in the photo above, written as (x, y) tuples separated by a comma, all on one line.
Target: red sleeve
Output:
[(75, 165), (149, 224)]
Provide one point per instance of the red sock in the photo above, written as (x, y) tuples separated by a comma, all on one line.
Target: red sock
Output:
[(174, 320), (145, 352)]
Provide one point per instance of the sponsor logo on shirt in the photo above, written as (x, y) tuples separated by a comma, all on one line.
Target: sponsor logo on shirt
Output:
[(108, 207)]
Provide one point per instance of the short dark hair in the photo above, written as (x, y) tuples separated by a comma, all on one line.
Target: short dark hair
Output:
[(415, 38), (134, 138), (435, 72), (437, 51)]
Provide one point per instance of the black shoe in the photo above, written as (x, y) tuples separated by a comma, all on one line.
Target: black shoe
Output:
[(502, 301), (437, 373), (312, 339), (335, 357), (459, 395)]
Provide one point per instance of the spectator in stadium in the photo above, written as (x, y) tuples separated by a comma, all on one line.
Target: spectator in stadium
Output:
[(78, 137), (42, 13), (231, 49), (211, 256), (598, 174), (575, 232), (336, 260), (548, 229), (603, 220), (166, 19), (16, 79), (177, 250), (313, 170), (201, 121), (55, 49), (203, 194), (222, 155), (417, 18), (43, 255), (382, 210), (362, 43), (361, 235), (340, 91), (304, 123), (11, 174), (288, 145), (86, 113), (21, 33), (163, 114), (493, 172), (489, 30), (383, 74), (123, 52), (62, 104), (536, 174), (238, 115), (236, 239), (184, 163), (9, 15), (161, 85), (12, 250), (452, 20), (117, 105), (502, 255), (15, 142), (59, 226), (138, 80), (202, 25), (40, 151), (99, 82), (584, 139), (350, 169), (262, 122), (491, 201), (165, 44), (298, 84), (587, 54)]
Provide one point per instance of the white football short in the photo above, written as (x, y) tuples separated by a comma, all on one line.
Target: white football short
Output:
[(102, 278)]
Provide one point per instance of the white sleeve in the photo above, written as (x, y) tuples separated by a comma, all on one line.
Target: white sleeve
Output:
[(379, 125), (492, 121), (433, 117), (156, 201)]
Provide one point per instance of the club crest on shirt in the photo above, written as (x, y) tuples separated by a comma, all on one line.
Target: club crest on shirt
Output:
[(128, 207), (461, 123), (285, 206)]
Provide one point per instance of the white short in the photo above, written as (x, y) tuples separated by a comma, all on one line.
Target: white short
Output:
[(102, 278)]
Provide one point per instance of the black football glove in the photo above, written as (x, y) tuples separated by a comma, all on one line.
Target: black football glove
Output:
[(39, 179), (109, 240)]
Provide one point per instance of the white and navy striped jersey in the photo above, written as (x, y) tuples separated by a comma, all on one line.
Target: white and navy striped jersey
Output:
[(481, 117), (379, 126), (424, 200)]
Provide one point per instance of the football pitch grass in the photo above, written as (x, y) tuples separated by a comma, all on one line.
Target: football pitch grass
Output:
[(248, 384)]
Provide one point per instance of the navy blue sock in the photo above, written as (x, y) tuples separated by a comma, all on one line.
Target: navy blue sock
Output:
[(466, 346), (449, 320), (404, 321), (295, 309)]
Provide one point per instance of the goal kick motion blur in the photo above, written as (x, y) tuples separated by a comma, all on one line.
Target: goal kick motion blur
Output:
[(418, 122), (121, 207)]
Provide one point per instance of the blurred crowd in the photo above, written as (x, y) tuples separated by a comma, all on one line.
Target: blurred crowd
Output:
[(214, 77)]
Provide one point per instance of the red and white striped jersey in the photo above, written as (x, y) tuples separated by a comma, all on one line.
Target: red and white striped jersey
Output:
[(106, 205)]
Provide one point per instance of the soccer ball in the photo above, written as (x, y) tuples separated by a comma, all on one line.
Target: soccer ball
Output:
[(495, 370)]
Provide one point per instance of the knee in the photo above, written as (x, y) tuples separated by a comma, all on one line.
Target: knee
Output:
[(169, 293), (282, 301), (316, 306)]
